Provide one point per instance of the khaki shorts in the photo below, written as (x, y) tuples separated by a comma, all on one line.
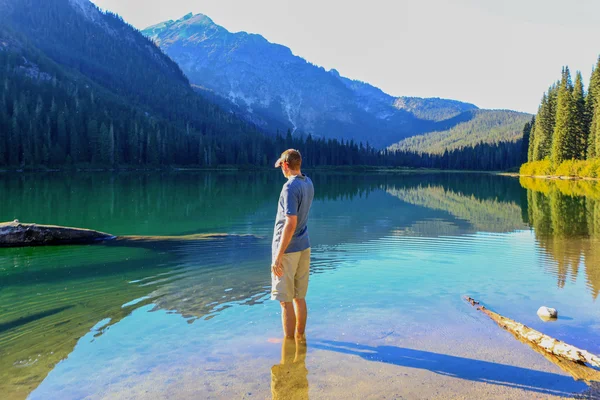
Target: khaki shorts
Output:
[(294, 282)]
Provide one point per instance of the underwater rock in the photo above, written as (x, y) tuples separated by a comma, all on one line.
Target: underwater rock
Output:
[(547, 313)]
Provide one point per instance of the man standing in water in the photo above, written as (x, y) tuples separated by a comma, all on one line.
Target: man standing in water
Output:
[(291, 245)]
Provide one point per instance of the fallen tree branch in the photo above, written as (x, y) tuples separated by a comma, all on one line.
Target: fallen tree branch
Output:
[(17, 234), (185, 238), (541, 341), (578, 371)]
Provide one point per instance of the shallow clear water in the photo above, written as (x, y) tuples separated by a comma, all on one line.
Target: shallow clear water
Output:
[(392, 257)]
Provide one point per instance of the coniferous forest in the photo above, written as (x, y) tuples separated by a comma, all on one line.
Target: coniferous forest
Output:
[(564, 138), (475, 126), (88, 90), (48, 120)]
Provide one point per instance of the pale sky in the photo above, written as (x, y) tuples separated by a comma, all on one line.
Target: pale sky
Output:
[(493, 53)]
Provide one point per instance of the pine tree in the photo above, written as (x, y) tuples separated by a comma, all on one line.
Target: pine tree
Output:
[(3, 132), (93, 138), (594, 137), (525, 142), (27, 143), (102, 153), (61, 130), (544, 126), (592, 114), (152, 156), (111, 144), (581, 132), (563, 138), (14, 138), (531, 141), (74, 143)]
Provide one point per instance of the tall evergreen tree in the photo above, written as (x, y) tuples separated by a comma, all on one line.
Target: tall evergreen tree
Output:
[(3, 132), (103, 145), (94, 140), (544, 125), (563, 139), (111, 145), (14, 139), (581, 131), (526, 139), (531, 141), (593, 114), (594, 136)]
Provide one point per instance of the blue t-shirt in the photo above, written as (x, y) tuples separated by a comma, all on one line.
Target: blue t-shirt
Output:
[(295, 199)]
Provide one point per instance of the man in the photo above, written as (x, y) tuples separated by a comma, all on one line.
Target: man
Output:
[(291, 245)]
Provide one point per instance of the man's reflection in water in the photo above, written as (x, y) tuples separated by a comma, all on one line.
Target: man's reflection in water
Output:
[(289, 380)]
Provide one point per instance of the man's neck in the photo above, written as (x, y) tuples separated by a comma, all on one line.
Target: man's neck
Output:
[(294, 173)]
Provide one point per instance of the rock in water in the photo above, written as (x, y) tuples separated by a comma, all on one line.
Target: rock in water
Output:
[(546, 313), (16, 234)]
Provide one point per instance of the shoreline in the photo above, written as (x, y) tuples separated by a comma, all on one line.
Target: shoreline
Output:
[(327, 168), (232, 168), (551, 177)]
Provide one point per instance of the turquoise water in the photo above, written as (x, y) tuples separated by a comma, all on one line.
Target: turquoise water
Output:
[(393, 255)]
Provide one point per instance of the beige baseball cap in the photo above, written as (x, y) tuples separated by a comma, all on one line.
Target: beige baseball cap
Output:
[(290, 156)]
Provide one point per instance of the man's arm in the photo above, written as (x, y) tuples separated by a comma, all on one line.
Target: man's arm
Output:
[(288, 232)]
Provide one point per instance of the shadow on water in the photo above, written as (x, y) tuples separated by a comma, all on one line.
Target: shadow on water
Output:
[(107, 268), (459, 367), (5, 326)]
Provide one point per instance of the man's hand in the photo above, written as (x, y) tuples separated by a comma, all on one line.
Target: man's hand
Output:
[(291, 221), (277, 268)]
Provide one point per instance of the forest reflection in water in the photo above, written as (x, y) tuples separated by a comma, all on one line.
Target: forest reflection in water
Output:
[(565, 216), (51, 297)]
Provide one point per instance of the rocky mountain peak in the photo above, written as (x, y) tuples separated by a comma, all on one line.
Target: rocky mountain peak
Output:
[(268, 81), (196, 19), (86, 8), (190, 25)]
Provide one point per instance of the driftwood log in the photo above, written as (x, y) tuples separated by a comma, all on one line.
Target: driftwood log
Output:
[(578, 371), (185, 238), (16, 234), (569, 358)]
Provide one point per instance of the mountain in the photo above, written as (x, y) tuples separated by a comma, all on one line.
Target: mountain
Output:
[(433, 109), (82, 86), (269, 82), (101, 47), (79, 87), (479, 126)]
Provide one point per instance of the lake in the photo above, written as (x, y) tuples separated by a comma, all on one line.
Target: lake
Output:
[(393, 255)]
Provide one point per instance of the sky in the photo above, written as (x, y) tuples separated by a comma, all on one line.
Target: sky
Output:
[(495, 54)]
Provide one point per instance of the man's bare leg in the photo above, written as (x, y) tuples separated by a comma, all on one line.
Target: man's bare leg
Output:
[(301, 315), (288, 319)]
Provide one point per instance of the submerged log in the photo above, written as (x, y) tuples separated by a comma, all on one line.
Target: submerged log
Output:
[(578, 371), (184, 238), (169, 242), (16, 234), (548, 345)]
